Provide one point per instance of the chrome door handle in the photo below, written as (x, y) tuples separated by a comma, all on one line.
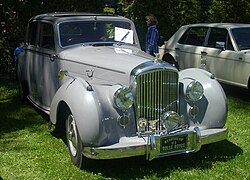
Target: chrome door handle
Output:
[(203, 53), (53, 57)]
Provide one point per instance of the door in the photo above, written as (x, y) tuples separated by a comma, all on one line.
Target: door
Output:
[(227, 63), (48, 65), (30, 59), (222, 59), (190, 46), (43, 65)]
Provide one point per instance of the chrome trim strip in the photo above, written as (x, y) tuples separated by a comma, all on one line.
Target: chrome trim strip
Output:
[(69, 60), (39, 105)]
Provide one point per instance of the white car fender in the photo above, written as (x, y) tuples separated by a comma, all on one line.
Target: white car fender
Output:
[(84, 106), (214, 98)]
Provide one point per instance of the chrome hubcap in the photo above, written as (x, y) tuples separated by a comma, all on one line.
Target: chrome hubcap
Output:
[(72, 135)]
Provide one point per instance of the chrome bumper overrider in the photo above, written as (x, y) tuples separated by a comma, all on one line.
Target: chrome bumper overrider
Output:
[(151, 145)]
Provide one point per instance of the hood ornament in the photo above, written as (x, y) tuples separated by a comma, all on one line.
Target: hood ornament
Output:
[(157, 58)]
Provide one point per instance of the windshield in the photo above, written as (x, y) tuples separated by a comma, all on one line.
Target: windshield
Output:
[(242, 38), (92, 32)]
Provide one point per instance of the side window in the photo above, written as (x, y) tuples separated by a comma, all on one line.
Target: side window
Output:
[(194, 36), (32, 33), (73, 32), (219, 35), (46, 36)]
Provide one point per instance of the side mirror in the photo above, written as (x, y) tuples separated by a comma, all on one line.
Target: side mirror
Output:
[(220, 45)]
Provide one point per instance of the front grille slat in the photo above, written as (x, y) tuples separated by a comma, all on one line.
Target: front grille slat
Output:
[(157, 92)]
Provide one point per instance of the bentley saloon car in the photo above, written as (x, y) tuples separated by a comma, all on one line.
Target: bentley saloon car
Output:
[(221, 48), (111, 99)]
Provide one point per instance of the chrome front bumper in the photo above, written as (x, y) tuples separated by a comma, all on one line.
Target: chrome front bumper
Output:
[(151, 145)]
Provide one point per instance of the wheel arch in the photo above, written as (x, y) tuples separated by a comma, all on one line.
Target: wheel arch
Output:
[(73, 96), (63, 111)]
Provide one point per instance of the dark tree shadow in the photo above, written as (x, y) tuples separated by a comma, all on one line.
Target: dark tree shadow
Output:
[(138, 167), (14, 115), (236, 92)]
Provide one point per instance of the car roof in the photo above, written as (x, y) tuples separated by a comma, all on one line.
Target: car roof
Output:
[(62, 16), (219, 25)]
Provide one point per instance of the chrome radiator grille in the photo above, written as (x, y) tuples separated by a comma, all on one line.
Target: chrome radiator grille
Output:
[(156, 92)]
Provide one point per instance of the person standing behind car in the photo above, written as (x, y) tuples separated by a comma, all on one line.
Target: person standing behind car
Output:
[(152, 35), (18, 50)]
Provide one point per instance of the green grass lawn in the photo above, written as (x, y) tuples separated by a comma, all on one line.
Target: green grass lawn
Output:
[(29, 151)]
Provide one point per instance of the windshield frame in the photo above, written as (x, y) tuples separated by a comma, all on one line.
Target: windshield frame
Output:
[(99, 42)]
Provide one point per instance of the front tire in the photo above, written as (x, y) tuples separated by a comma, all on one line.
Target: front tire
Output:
[(74, 142)]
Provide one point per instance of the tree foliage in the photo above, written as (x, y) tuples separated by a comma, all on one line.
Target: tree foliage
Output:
[(14, 15), (234, 11), (170, 14)]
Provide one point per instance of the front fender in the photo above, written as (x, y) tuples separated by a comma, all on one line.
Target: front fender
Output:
[(84, 106), (212, 106)]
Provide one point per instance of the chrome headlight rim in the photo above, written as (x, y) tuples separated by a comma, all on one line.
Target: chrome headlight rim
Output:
[(194, 91), (123, 98)]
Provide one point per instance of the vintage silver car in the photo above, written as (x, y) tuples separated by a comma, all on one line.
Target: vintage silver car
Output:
[(88, 72), (221, 48)]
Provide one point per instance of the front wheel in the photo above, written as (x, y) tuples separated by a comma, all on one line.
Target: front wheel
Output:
[(74, 142)]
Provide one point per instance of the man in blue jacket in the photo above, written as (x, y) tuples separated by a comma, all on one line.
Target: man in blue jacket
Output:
[(152, 35), (18, 50)]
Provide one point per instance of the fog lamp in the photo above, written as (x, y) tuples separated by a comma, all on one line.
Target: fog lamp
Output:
[(193, 111), (123, 120), (123, 98), (171, 120), (194, 91)]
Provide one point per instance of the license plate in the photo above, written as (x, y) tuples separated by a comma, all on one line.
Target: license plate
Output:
[(173, 144)]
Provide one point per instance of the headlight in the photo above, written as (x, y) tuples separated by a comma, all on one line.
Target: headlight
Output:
[(194, 91), (123, 98)]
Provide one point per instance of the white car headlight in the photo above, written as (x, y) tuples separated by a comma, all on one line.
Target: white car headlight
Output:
[(194, 91), (123, 98)]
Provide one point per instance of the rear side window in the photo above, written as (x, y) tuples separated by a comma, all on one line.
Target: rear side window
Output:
[(46, 36), (194, 36), (32, 33)]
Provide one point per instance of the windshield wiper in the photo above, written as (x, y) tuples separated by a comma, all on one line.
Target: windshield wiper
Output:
[(98, 44), (102, 44), (122, 39)]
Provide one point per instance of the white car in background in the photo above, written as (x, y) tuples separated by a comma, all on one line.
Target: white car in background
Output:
[(221, 48)]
